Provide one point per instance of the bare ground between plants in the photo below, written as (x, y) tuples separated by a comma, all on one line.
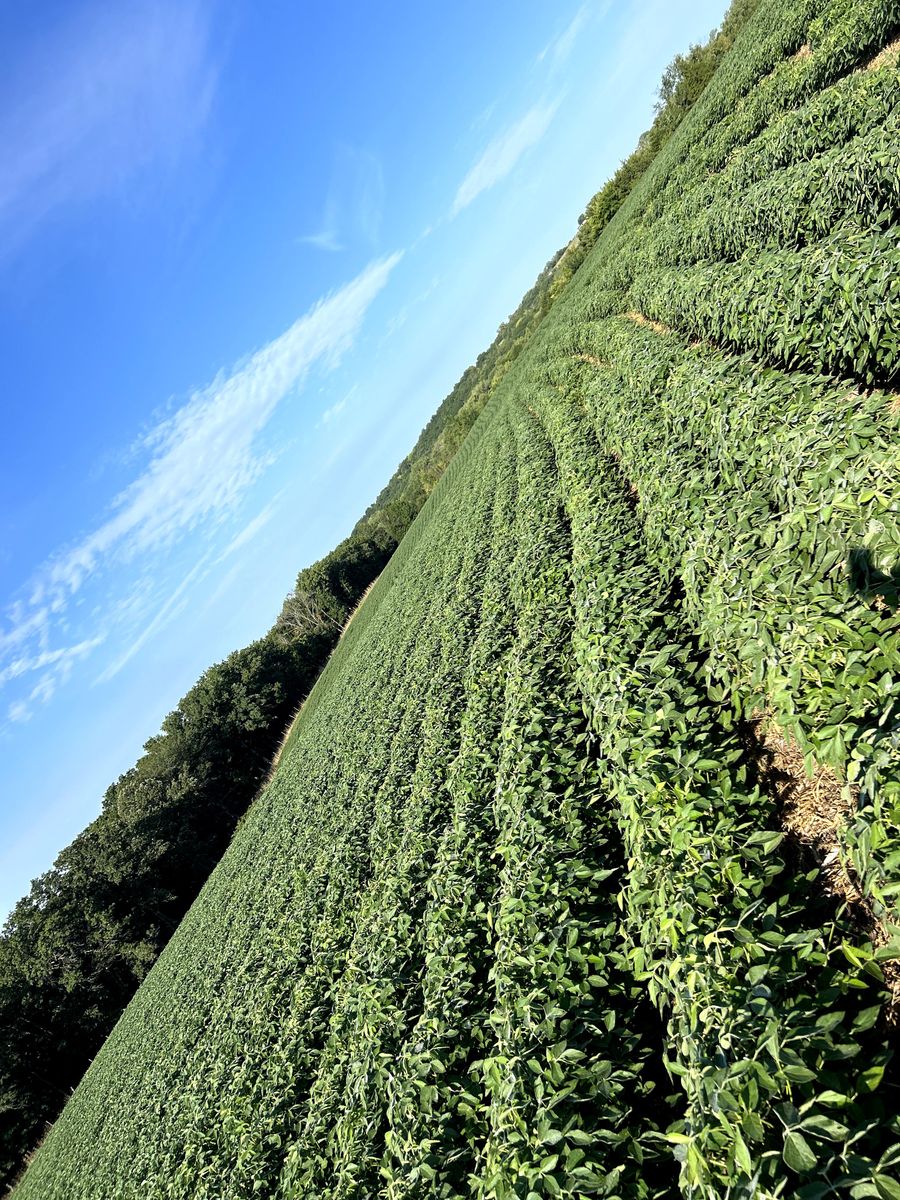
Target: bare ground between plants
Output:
[(886, 56), (648, 322), (813, 809)]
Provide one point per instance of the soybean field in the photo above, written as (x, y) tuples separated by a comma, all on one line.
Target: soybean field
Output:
[(580, 873)]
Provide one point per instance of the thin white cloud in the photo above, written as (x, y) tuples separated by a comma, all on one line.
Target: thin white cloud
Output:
[(103, 95), (557, 51), (334, 411), (173, 605), (202, 461), (25, 624), (252, 529), (338, 452), (354, 203), (503, 153), (44, 688), (28, 664), (60, 663), (223, 587), (330, 413), (399, 319), (326, 240), (427, 232), (206, 456), (484, 116)]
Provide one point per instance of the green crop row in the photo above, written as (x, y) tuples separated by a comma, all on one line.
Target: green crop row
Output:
[(816, 285), (569, 1077), (791, 53), (759, 1008), (832, 306), (779, 516), (852, 107), (792, 207)]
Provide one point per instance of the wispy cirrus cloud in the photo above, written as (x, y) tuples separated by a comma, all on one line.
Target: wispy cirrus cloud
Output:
[(334, 410), (205, 457), (110, 91), (252, 529), (199, 464), (558, 51), (354, 203), (29, 663), (55, 667), (325, 239), (170, 608), (332, 413), (503, 153)]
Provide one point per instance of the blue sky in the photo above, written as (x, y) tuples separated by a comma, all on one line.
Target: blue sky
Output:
[(245, 251)]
